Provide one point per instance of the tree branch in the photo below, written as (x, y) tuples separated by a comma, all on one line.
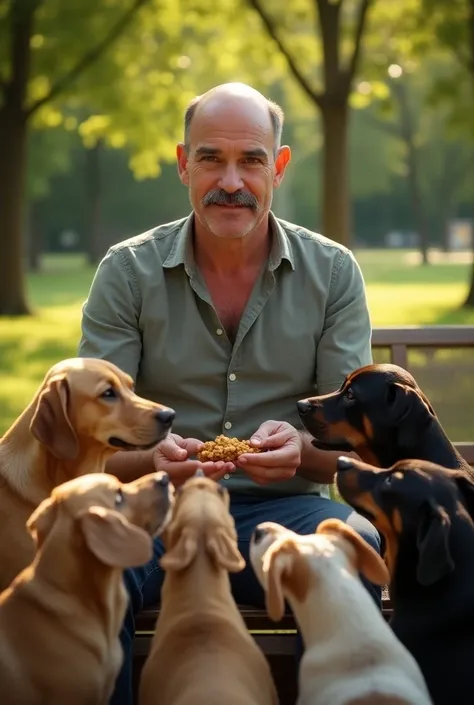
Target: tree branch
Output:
[(359, 31), (270, 26), (89, 57)]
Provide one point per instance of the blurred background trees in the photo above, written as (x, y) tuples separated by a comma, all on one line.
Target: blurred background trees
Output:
[(378, 98)]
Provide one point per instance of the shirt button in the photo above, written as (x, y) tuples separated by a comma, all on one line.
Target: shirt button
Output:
[(219, 331), (226, 476), (227, 425), (232, 377)]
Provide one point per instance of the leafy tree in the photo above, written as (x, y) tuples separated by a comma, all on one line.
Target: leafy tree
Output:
[(452, 24), (325, 69), (118, 71)]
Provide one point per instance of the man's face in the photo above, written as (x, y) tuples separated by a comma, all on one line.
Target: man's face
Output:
[(231, 169)]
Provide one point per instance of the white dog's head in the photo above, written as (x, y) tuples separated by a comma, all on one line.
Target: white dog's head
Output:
[(287, 564)]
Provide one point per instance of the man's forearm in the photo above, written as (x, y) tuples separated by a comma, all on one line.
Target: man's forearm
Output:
[(318, 465), (129, 465)]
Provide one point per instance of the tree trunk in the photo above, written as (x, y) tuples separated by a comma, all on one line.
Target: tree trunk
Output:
[(469, 302), (35, 238), (93, 203), (417, 201), (13, 141), (336, 206)]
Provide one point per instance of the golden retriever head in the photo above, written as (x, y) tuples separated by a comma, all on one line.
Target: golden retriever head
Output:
[(115, 521), (201, 522), (85, 402), (287, 564)]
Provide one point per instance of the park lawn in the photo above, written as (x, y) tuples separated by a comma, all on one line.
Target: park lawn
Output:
[(398, 294)]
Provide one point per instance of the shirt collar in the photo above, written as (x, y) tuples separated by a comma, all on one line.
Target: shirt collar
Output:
[(182, 249)]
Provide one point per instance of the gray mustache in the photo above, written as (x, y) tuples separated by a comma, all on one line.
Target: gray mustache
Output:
[(219, 197)]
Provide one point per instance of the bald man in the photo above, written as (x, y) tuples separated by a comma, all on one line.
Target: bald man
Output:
[(229, 316)]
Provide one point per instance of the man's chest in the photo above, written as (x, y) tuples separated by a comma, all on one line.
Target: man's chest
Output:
[(229, 298)]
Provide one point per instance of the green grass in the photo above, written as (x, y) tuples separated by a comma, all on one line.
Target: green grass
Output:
[(399, 293)]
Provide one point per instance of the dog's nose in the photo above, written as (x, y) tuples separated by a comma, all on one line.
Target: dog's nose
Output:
[(166, 416), (303, 406), (163, 479), (344, 463), (258, 534)]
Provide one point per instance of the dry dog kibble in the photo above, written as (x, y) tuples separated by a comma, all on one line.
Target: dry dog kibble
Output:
[(224, 448)]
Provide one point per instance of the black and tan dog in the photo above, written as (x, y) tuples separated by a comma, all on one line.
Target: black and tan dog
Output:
[(381, 413), (419, 507)]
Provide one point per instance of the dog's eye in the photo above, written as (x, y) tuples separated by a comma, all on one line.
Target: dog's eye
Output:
[(109, 393), (349, 394), (119, 498)]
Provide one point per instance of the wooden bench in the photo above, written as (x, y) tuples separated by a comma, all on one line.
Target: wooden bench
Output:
[(278, 641)]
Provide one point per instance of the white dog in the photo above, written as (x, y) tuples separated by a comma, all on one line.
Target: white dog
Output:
[(351, 655)]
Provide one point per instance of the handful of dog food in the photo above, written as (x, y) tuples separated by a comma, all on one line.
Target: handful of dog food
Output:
[(224, 448)]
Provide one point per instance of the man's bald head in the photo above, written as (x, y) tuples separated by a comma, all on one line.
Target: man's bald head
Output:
[(231, 96)]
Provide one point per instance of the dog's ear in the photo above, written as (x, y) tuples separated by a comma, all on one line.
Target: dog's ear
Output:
[(222, 548), (435, 560), (465, 486), (41, 521), (184, 551), (369, 563), (286, 570), (115, 541), (402, 401), (50, 424)]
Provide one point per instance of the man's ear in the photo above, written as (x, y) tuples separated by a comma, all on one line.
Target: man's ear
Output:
[(281, 162), (182, 163)]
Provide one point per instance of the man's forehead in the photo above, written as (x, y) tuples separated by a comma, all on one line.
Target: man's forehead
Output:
[(240, 147), (232, 118)]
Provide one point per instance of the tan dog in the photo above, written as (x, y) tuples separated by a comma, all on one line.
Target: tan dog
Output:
[(61, 617), (352, 657), (202, 653), (84, 411)]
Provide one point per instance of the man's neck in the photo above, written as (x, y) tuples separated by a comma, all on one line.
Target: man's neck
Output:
[(231, 256)]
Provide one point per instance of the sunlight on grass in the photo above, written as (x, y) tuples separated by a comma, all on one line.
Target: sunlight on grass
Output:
[(415, 304), (398, 294)]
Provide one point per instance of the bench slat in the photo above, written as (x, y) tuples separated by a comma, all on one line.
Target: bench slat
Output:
[(426, 336)]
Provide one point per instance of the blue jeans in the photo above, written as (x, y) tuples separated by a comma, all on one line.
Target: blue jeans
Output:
[(300, 513)]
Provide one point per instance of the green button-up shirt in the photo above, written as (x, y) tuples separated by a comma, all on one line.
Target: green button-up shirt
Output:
[(305, 326)]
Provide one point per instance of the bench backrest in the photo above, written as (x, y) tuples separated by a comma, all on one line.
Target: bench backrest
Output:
[(400, 340)]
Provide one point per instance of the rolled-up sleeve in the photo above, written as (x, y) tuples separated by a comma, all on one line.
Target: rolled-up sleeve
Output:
[(110, 328), (345, 343)]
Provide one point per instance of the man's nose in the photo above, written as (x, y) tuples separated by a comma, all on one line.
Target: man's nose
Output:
[(231, 180)]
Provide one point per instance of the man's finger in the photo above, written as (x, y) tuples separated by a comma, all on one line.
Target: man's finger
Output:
[(171, 450), (270, 459)]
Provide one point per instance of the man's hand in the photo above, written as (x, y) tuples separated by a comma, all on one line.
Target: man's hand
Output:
[(282, 444), (173, 455)]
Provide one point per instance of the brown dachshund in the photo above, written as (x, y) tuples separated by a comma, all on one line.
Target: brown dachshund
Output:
[(420, 508), (202, 652), (60, 619), (381, 414), (84, 411)]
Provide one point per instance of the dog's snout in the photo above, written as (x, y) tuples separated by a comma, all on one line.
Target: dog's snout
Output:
[(166, 416), (258, 534), (163, 479), (303, 406)]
